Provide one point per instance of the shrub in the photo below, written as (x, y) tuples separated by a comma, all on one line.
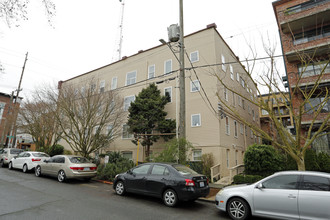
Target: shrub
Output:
[(262, 160), (55, 150), (196, 166), (323, 160), (208, 162), (117, 164), (240, 178)]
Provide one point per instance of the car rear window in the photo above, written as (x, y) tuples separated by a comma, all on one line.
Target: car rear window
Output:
[(15, 151), (79, 160), (40, 155), (184, 170)]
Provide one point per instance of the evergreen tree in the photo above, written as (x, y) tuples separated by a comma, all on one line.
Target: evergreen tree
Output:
[(147, 118)]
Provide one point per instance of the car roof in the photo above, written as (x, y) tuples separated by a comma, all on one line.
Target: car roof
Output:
[(316, 173)]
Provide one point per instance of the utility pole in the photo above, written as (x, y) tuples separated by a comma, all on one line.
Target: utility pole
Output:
[(182, 113), (15, 103)]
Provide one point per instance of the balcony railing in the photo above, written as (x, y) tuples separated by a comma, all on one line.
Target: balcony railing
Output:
[(304, 6)]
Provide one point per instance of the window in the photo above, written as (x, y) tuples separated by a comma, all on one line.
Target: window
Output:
[(264, 112), (281, 182), (143, 169), (234, 101), (227, 126), (194, 86), (236, 160), (223, 61), (237, 77), (127, 102), (243, 103), (102, 86), (227, 157), (168, 67), (127, 154), (249, 109), (317, 102), (195, 120), (246, 130), (239, 100), (126, 133), (253, 115), (82, 90), (96, 129), (130, 78), (242, 128), (160, 170), (194, 56), (225, 93), (315, 183), (2, 109), (168, 93), (231, 72), (197, 154), (151, 71), (242, 82), (93, 87), (235, 129), (109, 130), (252, 135), (114, 83)]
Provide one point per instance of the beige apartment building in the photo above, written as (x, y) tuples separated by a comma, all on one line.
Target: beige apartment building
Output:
[(225, 138)]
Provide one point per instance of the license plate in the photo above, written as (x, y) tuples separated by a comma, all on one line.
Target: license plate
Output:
[(201, 184), (86, 168)]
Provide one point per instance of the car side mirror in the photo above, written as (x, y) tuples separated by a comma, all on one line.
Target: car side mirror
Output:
[(46, 161), (259, 186)]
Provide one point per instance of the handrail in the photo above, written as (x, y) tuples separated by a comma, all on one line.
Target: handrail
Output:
[(215, 172), (237, 167)]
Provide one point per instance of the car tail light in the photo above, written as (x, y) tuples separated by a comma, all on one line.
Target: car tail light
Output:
[(93, 168), (76, 168), (6, 158), (190, 182), (34, 160), (207, 180)]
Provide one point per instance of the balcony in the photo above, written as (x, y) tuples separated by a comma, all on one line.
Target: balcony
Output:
[(305, 15)]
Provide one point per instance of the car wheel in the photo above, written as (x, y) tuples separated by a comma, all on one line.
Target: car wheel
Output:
[(170, 198), (38, 171), (238, 209), (120, 188), (25, 168), (2, 164), (10, 166), (61, 176)]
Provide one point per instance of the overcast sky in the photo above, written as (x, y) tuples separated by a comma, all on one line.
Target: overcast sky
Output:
[(84, 36)]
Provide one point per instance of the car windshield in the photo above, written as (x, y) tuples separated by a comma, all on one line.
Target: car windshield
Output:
[(40, 155), (15, 151), (79, 160), (184, 170)]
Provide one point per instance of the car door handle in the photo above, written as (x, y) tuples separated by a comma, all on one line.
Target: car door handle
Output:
[(292, 196)]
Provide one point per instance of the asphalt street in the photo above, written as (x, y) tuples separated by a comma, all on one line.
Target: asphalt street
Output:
[(24, 196)]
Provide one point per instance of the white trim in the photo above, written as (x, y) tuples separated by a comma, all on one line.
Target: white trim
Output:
[(170, 72), (193, 61), (200, 120), (154, 66), (193, 84), (114, 82), (134, 71)]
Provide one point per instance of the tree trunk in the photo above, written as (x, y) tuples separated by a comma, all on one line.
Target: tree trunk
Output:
[(301, 164)]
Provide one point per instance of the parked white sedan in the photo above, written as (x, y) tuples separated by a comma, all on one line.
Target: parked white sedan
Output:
[(27, 160), (283, 195)]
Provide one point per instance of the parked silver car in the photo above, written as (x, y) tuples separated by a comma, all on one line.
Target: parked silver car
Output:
[(7, 154), (67, 167), (283, 195)]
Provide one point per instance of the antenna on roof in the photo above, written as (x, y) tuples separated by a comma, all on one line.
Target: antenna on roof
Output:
[(119, 39)]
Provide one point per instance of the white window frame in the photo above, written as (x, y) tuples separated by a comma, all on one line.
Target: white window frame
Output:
[(131, 78), (193, 58), (223, 63), (199, 120), (197, 155), (195, 86), (227, 125), (2, 108), (225, 93), (237, 77), (170, 91), (242, 128), (150, 73), (114, 82), (231, 72), (166, 71), (102, 86), (126, 100)]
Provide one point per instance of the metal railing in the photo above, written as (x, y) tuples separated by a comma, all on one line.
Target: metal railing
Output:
[(236, 170)]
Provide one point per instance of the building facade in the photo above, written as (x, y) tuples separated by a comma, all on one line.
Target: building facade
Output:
[(304, 28), (208, 56), (278, 103)]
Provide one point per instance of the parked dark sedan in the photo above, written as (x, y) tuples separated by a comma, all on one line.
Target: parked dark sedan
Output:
[(171, 182)]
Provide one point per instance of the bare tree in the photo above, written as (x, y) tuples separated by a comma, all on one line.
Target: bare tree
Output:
[(90, 120), (295, 144), (14, 11)]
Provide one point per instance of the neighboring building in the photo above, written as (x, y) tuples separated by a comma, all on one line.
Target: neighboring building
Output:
[(226, 138), (304, 27), (278, 104), (8, 112)]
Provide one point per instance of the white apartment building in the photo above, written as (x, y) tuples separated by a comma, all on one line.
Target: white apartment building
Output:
[(227, 138)]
